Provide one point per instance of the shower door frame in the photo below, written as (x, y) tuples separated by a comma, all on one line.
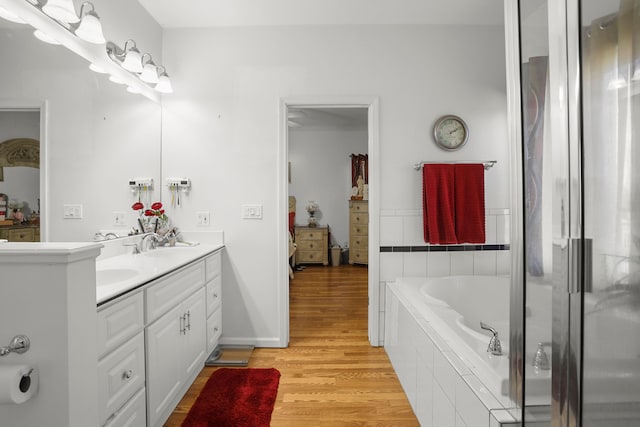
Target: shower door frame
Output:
[(568, 259)]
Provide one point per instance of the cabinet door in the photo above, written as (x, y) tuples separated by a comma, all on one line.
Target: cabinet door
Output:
[(165, 339), (194, 346)]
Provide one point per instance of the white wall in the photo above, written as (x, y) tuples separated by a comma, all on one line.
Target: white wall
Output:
[(220, 128), (321, 171), (21, 183)]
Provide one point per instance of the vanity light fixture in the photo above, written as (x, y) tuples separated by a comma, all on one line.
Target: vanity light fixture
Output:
[(129, 57), (10, 16), (89, 28), (44, 37), (164, 83), (97, 69), (61, 10), (133, 89), (149, 71), (116, 79)]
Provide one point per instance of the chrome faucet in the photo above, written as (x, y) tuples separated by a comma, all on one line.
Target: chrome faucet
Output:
[(494, 347), (155, 239), (540, 359)]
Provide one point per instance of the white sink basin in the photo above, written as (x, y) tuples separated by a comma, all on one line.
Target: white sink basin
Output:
[(113, 275)]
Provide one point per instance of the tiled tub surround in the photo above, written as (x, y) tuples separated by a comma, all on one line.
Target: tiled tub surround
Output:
[(403, 252), (446, 382)]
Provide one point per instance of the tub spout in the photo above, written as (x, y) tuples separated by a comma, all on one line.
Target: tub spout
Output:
[(494, 347)]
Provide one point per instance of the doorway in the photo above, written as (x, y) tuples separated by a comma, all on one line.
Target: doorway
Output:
[(324, 106), (20, 174)]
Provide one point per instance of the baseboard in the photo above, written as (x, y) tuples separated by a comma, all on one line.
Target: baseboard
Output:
[(256, 342)]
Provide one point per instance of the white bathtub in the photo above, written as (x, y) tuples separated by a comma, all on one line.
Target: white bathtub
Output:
[(439, 352), (454, 306)]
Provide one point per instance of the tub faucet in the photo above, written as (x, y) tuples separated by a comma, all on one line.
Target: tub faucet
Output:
[(494, 347)]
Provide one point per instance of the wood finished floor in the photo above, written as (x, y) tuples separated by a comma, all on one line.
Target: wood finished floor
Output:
[(331, 376)]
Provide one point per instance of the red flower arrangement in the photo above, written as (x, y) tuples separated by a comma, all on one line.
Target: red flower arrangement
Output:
[(156, 210), (146, 221)]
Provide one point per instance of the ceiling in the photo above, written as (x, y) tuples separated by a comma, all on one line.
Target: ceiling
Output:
[(229, 13), (335, 117)]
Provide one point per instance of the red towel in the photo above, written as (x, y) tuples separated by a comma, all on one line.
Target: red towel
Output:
[(453, 203), (439, 203), (469, 205)]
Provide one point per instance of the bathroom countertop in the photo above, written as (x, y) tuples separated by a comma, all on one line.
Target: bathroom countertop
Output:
[(120, 274)]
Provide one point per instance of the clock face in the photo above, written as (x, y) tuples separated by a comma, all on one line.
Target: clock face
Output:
[(450, 132)]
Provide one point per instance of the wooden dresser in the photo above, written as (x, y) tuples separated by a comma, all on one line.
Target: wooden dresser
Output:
[(358, 232), (312, 245), (20, 233)]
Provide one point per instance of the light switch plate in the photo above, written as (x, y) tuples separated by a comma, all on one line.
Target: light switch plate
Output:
[(203, 218), (251, 212), (72, 211), (118, 218)]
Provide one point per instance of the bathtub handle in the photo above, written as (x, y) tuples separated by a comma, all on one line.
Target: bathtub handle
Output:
[(494, 347)]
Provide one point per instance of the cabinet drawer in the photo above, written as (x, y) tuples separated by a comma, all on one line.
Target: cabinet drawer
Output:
[(358, 256), (166, 293), (213, 266), (359, 230), (309, 256), (120, 374), (310, 245), (214, 294), (21, 235), (308, 235), (359, 219), (119, 322), (360, 207), (360, 242), (132, 414), (214, 330)]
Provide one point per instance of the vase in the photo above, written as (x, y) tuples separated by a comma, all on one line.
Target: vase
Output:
[(313, 222)]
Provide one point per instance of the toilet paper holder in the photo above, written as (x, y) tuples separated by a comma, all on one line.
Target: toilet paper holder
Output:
[(19, 344)]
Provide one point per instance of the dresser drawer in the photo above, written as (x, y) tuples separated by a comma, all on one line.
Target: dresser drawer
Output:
[(359, 219), (214, 329), (120, 375), (359, 230), (360, 207), (309, 256), (358, 256), (359, 242), (132, 414), (166, 293), (214, 294), (308, 234), (213, 266), (21, 235), (310, 245), (119, 322)]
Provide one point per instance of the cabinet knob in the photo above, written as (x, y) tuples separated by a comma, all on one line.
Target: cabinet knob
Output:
[(215, 329), (215, 295), (127, 374)]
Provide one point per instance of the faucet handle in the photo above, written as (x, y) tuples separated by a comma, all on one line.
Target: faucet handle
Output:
[(136, 248), (540, 359)]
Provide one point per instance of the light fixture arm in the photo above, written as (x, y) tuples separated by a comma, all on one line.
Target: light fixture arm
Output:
[(150, 61)]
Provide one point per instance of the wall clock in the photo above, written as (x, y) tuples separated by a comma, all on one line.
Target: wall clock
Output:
[(450, 132)]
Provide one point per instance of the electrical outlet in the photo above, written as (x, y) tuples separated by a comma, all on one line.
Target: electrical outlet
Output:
[(251, 212), (72, 211), (118, 218), (202, 218)]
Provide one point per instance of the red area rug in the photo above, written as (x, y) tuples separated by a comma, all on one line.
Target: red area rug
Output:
[(236, 397)]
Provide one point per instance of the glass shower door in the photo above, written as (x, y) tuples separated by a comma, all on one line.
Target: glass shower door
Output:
[(610, 64), (580, 93)]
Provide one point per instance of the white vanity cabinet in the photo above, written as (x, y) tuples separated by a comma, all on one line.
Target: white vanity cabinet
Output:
[(153, 341), (175, 339), (121, 362), (213, 288)]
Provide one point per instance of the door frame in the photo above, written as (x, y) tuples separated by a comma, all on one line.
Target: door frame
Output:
[(346, 101), (43, 108)]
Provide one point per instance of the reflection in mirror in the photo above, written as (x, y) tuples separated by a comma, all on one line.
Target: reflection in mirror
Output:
[(94, 137)]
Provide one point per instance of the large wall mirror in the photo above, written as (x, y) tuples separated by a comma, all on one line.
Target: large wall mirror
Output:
[(94, 136)]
